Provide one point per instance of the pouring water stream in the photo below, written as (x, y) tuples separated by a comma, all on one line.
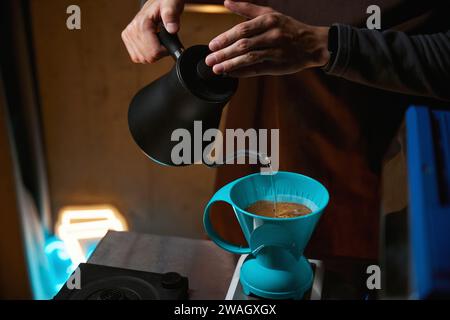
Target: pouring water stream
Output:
[(263, 159)]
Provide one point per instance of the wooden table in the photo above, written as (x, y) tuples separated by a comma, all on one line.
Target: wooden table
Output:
[(208, 268)]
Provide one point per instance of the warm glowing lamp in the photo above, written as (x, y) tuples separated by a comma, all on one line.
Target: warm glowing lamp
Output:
[(78, 225), (205, 8)]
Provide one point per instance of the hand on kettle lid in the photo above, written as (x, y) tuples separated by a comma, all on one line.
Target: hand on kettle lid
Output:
[(196, 75)]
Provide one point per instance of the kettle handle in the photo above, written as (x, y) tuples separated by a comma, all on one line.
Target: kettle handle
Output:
[(170, 41)]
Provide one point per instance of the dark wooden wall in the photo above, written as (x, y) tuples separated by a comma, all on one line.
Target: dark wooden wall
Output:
[(86, 83), (13, 272)]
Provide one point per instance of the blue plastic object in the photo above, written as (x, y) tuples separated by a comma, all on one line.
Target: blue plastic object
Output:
[(275, 268), (428, 153), (60, 266)]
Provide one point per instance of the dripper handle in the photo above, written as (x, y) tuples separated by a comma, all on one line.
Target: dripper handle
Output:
[(170, 41)]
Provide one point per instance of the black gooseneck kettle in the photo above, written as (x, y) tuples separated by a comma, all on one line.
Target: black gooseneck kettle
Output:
[(189, 92)]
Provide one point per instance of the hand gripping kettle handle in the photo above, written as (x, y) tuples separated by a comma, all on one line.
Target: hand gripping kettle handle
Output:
[(170, 41)]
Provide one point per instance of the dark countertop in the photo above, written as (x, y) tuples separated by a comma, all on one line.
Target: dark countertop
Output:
[(208, 268)]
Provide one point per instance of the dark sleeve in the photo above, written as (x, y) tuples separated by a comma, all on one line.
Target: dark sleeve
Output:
[(392, 60)]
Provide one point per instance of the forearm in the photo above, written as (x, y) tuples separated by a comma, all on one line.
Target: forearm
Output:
[(392, 60)]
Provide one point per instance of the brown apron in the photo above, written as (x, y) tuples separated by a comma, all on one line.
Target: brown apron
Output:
[(330, 129)]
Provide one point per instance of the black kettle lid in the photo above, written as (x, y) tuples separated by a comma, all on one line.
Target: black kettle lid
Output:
[(198, 78), (193, 72)]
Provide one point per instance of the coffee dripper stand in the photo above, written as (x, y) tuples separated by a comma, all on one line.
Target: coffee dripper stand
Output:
[(236, 291)]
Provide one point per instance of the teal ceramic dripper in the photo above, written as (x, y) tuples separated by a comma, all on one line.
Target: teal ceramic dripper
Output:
[(275, 267)]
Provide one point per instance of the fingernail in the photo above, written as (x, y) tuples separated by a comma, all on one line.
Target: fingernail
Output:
[(171, 27), (218, 68), (213, 45), (210, 60)]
